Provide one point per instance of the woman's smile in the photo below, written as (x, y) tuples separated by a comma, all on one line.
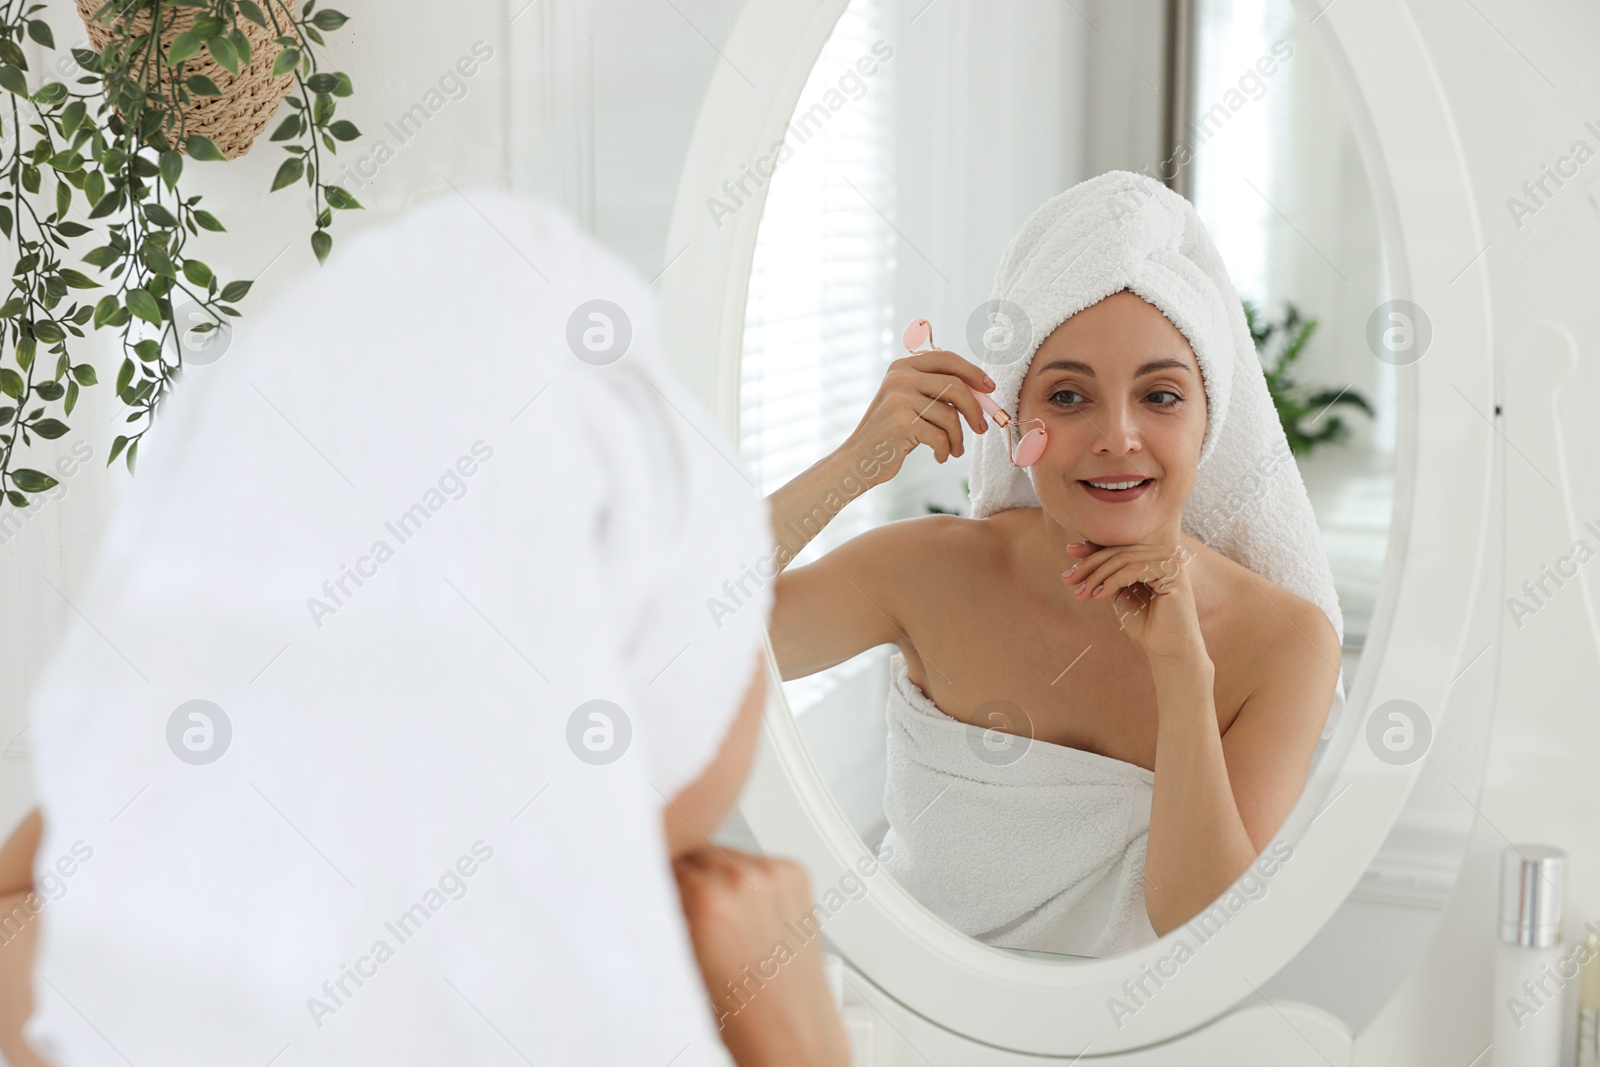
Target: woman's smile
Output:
[(1117, 490)]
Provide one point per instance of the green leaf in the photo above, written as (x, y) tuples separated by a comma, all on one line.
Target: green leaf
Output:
[(148, 349), (124, 374), (321, 245), (94, 186), (142, 304), (11, 307), (288, 173), (72, 229), (197, 272), (287, 60), (11, 78), (49, 429), (234, 292), (48, 391), (200, 85), (71, 116), (183, 46), (156, 258), (344, 88), (39, 30), (26, 346), (205, 149), (32, 481), (11, 383), (289, 127), (171, 167), (132, 452), (322, 83), (84, 373), (68, 160), (253, 13), (103, 256), (5, 220), (224, 53), (48, 332), (16, 498), (72, 398), (344, 130), (159, 215), (340, 199), (77, 279), (116, 449), (328, 19), (208, 221), (103, 311)]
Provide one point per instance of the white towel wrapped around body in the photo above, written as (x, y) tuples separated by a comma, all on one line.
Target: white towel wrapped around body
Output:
[(1017, 843)]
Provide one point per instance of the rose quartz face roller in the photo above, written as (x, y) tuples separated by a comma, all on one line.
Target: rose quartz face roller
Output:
[(1024, 453)]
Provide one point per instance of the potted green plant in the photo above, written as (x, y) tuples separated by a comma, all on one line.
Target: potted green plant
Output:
[(1298, 405), (164, 80)]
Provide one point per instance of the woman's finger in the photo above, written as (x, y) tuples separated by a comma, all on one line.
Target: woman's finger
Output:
[(1159, 574), (951, 389), (939, 427), (1090, 578), (943, 361)]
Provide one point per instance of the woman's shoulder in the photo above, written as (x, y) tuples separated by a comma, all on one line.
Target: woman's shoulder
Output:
[(1264, 626), (938, 537)]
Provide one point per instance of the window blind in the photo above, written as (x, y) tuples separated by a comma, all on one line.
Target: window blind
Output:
[(817, 332)]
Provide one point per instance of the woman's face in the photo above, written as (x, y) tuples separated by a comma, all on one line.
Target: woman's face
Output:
[(1120, 393)]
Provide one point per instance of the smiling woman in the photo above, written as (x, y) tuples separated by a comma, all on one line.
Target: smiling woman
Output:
[(1104, 700)]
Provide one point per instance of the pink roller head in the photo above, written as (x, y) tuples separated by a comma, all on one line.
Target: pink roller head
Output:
[(918, 333), (1031, 447)]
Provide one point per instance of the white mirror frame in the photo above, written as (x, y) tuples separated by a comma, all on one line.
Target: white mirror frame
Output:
[(1417, 644)]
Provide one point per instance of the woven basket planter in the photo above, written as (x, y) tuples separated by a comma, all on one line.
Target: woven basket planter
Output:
[(249, 99)]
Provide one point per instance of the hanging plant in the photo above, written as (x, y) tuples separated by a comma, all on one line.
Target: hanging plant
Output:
[(165, 79)]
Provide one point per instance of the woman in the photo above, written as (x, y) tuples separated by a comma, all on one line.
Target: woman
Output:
[(459, 813), (1091, 621)]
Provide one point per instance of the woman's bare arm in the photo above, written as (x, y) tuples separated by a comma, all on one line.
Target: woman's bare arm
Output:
[(1218, 801), (19, 930), (843, 604), (16, 855)]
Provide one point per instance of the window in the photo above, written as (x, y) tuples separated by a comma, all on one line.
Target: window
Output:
[(817, 331)]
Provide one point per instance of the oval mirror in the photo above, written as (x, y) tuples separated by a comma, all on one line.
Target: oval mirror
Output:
[(878, 180)]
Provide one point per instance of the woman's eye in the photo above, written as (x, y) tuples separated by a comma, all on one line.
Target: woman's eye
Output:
[(1057, 398)]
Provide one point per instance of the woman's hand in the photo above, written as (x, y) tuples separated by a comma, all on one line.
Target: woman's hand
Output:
[(920, 401), (767, 987), (1149, 590)]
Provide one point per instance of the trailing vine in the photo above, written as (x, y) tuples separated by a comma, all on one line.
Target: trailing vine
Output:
[(117, 146)]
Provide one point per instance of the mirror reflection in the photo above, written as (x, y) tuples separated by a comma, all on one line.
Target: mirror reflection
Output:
[(974, 381)]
